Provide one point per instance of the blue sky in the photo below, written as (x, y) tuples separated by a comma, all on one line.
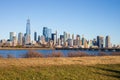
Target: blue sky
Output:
[(88, 17)]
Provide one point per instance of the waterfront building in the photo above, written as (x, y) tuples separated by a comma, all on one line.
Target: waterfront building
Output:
[(107, 42), (100, 41), (20, 38)]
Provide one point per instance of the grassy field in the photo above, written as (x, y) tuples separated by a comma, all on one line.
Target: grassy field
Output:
[(79, 68)]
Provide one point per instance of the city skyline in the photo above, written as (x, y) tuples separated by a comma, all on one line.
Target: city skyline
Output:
[(88, 17), (54, 40)]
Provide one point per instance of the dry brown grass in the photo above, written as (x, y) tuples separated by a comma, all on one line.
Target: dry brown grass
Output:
[(25, 62)]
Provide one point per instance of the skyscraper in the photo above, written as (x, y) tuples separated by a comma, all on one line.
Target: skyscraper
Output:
[(12, 35), (35, 36), (78, 40), (100, 41), (54, 38), (28, 33), (107, 42), (83, 40), (47, 33), (65, 37), (20, 38)]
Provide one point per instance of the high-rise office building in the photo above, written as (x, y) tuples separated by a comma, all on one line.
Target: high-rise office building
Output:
[(20, 38), (65, 37), (42, 40), (94, 42), (54, 38), (62, 39), (78, 40), (12, 35), (70, 42), (100, 41), (83, 40), (38, 38), (72, 36), (28, 33), (14, 42), (107, 42), (35, 36), (47, 33)]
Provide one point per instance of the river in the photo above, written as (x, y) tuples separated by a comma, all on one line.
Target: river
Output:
[(19, 53)]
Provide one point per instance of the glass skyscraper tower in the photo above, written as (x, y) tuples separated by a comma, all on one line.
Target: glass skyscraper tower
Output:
[(47, 33), (28, 33)]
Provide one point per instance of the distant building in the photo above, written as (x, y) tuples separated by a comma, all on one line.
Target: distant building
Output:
[(107, 42), (35, 36), (38, 38), (65, 36), (83, 40), (20, 38), (12, 35), (47, 34), (94, 42), (14, 42), (62, 39), (72, 36), (100, 41), (70, 42), (78, 40), (54, 38), (42, 40)]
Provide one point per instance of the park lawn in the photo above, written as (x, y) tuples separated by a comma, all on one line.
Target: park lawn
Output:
[(99, 68)]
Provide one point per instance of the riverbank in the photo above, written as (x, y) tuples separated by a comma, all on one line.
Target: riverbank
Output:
[(77, 68)]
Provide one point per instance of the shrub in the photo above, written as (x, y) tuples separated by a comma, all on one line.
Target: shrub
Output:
[(33, 54), (55, 54), (1, 56), (102, 54), (10, 56), (115, 53), (77, 54)]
